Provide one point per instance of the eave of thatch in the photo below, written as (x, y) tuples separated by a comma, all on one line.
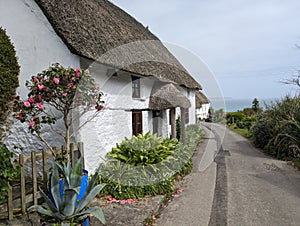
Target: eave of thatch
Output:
[(165, 96), (200, 99), (99, 30)]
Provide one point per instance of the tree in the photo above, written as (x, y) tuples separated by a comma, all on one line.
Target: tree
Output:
[(255, 105), (55, 93), (9, 72), (295, 80)]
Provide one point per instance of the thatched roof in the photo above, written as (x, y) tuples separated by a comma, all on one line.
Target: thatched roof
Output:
[(165, 96), (96, 28), (200, 99)]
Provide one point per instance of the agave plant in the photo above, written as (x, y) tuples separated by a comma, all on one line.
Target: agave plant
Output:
[(63, 203)]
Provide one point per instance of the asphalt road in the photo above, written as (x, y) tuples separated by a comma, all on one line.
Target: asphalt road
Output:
[(233, 183)]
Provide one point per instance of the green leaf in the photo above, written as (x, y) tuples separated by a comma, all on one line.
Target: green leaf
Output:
[(44, 211), (49, 202), (54, 183), (69, 201), (89, 196), (95, 211)]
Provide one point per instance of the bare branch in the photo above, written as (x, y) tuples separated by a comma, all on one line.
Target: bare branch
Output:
[(292, 81), (58, 132), (88, 120), (47, 144)]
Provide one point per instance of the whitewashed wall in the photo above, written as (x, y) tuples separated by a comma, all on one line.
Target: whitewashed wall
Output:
[(37, 47), (202, 112), (192, 109), (114, 123), (190, 94)]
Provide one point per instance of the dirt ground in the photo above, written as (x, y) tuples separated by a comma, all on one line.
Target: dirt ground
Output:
[(116, 214)]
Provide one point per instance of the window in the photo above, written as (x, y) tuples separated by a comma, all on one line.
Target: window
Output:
[(186, 115), (136, 87), (137, 122)]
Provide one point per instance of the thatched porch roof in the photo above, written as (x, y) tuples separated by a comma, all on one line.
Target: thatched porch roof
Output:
[(165, 96), (99, 30), (201, 99)]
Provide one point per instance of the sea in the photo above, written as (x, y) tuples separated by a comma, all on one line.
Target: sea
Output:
[(233, 105)]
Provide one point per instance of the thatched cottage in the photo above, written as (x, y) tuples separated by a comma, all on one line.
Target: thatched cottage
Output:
[(144, 83), (202, 106)]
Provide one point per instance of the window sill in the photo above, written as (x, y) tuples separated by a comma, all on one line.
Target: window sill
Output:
[(139, 98)]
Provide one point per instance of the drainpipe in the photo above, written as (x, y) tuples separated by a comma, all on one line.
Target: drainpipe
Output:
[(182, 136)]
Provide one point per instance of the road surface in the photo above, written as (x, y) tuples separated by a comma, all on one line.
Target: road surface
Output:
[(233, 183)]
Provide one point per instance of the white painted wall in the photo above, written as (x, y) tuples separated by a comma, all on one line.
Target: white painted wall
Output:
[(35, 41), (37, 47), (114, 123), (202, 112), (192, 109)]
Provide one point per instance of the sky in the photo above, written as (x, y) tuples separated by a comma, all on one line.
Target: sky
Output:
[(234, 48)]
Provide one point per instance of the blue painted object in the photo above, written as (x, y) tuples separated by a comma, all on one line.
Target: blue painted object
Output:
[(83, 188)]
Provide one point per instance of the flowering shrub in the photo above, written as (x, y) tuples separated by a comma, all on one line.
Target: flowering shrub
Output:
[(63, 89)]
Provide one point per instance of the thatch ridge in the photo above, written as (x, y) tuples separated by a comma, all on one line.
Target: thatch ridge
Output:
[(200, 99), (165, 96), (92, 28)]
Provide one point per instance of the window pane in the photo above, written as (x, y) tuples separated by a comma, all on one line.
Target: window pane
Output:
[(137, 120), (135, 87)]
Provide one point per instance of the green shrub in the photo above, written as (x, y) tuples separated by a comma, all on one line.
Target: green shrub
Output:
[(193, 135), (178, 127), (9, 71), (235, 117), (147, 165), (277, 129), (144, 150), (9, 171)]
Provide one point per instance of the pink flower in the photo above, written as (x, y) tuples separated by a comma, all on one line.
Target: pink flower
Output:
[(174, 195), (64, 94), (179, 190), (31, 99), (123, 202), (40, 105), (17, 116), (40, 97), (35, 79), (40, 86), (31, 124), (26, 104), (70, 84), (55, 80), (77, 72)]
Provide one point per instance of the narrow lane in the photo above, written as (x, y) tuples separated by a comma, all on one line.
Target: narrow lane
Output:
[(260, 189), (233, 183)]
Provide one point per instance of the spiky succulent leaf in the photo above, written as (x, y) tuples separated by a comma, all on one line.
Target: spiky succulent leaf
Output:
[(95, 211), (69, 200), (67, 171), (76, 176), (89, 196), (55, 186), (44, 211), (49, 202)]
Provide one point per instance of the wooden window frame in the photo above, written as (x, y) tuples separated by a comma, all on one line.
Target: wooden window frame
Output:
[(136, 124), (186, 115), (136, 87)]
